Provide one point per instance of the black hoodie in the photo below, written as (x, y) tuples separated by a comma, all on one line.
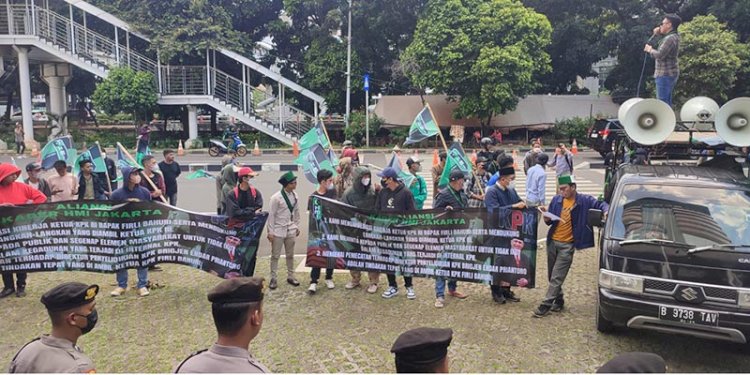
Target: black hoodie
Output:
[(398, 200)]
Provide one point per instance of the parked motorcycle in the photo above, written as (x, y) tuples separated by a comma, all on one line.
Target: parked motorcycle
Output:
[(218, 147)]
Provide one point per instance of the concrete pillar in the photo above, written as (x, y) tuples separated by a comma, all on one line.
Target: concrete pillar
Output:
[(192, 122), (57, 76), (24, 78)]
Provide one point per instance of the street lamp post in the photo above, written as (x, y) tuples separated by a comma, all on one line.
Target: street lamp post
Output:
[(348, 67)]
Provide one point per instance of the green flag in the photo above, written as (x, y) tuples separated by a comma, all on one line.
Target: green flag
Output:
[(316, 135), (456, 159), (312, 160), (198, 174), (404, 176), (423, 127), (58, 149), (94, 154)]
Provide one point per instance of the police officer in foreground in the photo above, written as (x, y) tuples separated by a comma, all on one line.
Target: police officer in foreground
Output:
[(423, 350), (236, 305), (72, 310)]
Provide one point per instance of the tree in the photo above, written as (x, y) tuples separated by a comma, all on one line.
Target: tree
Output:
[(325, 71), (489, 53), (127, 91), (577, 41), (711, 58)]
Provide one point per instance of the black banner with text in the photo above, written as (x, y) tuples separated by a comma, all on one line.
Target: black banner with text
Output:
[(103, 236), (470, 245)]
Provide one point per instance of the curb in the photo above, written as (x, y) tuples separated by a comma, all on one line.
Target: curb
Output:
[(265, 167)]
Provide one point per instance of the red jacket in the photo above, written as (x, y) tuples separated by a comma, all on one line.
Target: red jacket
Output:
[(17, 193)]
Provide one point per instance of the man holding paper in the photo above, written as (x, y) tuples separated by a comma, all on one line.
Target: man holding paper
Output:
[(566, 235)]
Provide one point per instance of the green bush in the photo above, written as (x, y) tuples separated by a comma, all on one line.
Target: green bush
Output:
[(356, 130), (576, 127), (398, 135)]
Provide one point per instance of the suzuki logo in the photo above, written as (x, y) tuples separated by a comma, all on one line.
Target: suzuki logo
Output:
[(689, 294)]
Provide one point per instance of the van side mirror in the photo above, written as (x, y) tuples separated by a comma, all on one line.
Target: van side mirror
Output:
[(594, 217)]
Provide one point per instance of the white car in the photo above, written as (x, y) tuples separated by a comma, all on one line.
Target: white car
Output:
[(39, 116)]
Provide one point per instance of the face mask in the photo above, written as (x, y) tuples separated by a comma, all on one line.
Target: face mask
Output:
[(330, 186), (366, 182), (512, 185), (91, 320)]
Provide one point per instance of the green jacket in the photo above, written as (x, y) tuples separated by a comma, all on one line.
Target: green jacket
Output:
[(419, 191)]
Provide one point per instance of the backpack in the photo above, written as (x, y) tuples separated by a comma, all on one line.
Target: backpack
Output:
[(253, 193)]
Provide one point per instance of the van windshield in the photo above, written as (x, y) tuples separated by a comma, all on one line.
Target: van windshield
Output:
[(690, 215)]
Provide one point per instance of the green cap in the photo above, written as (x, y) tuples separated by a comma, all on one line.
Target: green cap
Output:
[(287, 178), (566, 180)]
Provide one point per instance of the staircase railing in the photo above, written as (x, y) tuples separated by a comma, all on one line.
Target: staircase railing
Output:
[(106, 52)]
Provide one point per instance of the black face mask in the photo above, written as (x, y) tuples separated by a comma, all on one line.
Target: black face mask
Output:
[(91, 320)]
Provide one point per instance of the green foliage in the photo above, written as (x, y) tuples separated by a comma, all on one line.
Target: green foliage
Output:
[(325, 71), (356, 130), (398, 135), (711, 58), (125, 90), (575, 127), (488, 52)]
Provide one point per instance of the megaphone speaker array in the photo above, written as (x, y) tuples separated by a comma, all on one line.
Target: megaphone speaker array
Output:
[(624, 107), (699, 109), (648, 121), (732, 122)]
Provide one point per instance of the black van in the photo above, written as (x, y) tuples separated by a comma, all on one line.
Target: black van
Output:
[(675, 252)]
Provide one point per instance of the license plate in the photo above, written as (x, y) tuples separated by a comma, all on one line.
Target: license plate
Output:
[(594, 135), (689, 316)]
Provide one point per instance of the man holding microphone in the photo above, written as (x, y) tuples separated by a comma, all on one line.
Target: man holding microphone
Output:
[(665, 54)]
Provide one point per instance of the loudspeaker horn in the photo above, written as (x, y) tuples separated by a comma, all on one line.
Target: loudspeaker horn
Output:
[(732, 122), (625, 106), (649, 121), (699, 109)]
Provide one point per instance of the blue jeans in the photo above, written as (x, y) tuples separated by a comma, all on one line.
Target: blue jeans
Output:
[(122, 277), (664, 88), (440, 286)]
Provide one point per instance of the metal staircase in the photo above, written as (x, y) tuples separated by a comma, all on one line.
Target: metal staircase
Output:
[(59, 36)]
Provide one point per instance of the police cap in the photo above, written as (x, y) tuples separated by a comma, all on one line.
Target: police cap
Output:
[(422, 346), (237, 290), (69, 295)]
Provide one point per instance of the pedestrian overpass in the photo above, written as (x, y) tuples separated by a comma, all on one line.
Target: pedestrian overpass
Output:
[(31, 31)]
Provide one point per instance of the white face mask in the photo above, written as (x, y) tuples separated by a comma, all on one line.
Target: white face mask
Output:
[(366, 181), (512, 185), (330, 186)]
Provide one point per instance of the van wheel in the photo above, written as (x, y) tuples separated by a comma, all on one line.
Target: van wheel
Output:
[(602, 325)]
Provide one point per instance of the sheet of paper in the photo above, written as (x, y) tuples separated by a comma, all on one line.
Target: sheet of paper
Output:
[(550, 215)]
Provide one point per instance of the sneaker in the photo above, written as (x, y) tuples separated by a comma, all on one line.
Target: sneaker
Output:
[(7, 292), (557, 306), (273, 284), (542, 310), (410, 294), (292, 281), (330, 284), (117, 292), (498, 298), (21, 292), (372, 288), (155, 268), (510, 296), (440, 302), (313, 288), (457, 294), (143, 292), (352, 284), (390, 292)]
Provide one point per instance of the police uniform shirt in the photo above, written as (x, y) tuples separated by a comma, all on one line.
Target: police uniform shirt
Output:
[(222, 359), (50, 354)]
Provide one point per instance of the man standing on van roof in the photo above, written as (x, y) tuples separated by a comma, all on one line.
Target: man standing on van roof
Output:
[(566, 235)]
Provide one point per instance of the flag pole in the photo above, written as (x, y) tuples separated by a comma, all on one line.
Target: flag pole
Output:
[(150, 182), (106, 172)]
